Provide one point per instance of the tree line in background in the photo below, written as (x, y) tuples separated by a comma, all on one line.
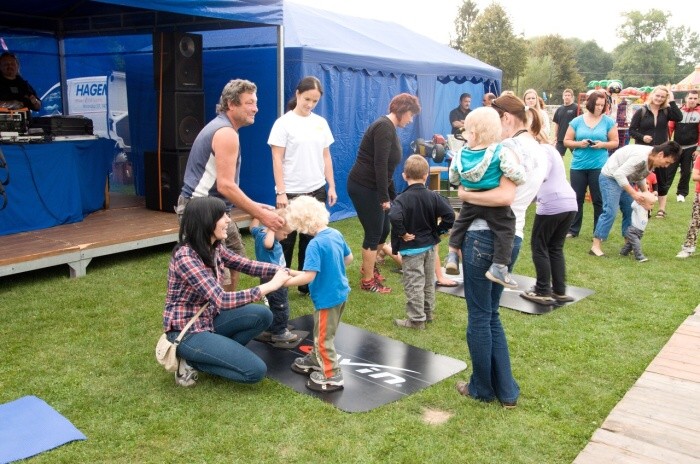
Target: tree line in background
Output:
[(652, 52)]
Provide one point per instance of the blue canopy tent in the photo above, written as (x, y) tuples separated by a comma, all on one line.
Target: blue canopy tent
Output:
[(361, 63), (61, 39)]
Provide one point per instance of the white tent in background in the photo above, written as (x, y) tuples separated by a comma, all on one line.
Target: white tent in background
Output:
[(691, 82)]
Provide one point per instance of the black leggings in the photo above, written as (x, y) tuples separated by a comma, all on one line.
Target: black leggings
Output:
[(374, 219)]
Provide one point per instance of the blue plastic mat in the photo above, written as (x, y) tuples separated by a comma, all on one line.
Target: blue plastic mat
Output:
[(29, 426)]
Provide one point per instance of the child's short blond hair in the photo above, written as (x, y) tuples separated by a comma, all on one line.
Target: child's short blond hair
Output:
[(486, 124), (415, 167), (307, 215)]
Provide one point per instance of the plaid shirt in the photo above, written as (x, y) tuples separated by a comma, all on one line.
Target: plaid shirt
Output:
[(191, 284)]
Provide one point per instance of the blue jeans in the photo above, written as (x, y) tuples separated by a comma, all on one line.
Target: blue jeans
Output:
[(614, 197), (279, 305), (491, 373), (223, 351)]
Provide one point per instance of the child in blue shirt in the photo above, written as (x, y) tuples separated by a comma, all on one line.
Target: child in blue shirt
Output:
[(269, 250), (327, 255)]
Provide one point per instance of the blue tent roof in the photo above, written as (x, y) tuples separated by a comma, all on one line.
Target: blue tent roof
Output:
[(323, 36), (318, 36), (86, 17)]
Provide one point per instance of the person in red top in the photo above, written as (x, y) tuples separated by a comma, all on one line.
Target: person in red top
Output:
[(687, 133), (691, 237)]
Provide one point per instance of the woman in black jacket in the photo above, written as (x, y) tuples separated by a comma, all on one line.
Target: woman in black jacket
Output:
[(649, 126)]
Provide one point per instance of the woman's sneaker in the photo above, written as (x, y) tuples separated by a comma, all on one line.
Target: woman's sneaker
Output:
[(185, 375), (499, 273), (376, 275), (306, 364), (563, 298), (452, 263), (319, 382), (373, 285), (685, 253)]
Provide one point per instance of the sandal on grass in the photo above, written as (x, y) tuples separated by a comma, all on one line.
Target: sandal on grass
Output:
[(661, 214), (463, 389)]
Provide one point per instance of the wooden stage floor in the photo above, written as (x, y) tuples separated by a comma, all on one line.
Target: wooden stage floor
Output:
[(126, 225), (658, 420)]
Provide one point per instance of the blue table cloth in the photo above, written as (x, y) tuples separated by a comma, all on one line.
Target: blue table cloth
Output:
[(54, 183)]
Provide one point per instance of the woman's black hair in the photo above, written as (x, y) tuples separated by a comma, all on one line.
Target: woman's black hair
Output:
[(307, 83), (197, 227)]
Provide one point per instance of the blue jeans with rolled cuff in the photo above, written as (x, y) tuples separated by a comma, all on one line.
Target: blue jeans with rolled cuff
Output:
[(491, 371)]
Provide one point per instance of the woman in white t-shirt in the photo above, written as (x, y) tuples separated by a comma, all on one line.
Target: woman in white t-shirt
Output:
[(301, 159)]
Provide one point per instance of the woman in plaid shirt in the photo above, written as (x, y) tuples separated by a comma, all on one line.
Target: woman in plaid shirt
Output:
[(215, 343)]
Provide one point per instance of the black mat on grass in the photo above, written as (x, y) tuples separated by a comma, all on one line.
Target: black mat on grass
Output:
[(376, 369), (511, 297)]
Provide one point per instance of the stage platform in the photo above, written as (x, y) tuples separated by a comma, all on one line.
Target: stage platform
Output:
[(126, 225)]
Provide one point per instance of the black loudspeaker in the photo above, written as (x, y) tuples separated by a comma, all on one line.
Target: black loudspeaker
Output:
[(179, 57), (182, 119), (171, 174)]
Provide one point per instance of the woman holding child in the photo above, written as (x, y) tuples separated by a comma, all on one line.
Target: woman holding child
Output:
[(491, 377)]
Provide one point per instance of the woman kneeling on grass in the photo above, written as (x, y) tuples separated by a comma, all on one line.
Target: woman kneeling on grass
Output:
[(215, 343)]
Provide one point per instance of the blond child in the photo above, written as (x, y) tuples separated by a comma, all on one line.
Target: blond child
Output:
[(327, 255), (479, 166)]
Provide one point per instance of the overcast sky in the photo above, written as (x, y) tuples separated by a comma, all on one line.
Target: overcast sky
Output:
[(435, 18)]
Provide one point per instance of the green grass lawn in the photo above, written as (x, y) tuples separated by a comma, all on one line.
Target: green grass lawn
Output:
[(85, 346)]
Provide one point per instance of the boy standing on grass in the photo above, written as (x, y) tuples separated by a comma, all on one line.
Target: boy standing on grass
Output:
[(634, 233), (418, 217), (327, 255), (269, 250)]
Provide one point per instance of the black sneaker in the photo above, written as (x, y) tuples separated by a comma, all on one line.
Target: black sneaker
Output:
[(303, 289), (305, 365)]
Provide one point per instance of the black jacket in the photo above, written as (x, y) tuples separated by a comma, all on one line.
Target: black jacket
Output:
[(417, 211), (643, 124)]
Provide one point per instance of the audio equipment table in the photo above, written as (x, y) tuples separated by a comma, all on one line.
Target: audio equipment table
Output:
[(54, 183)]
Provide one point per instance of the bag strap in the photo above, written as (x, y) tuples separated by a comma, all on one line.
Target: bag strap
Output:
[(194, 318)]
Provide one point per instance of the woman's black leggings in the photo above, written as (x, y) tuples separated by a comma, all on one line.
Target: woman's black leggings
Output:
[(374, 219)]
